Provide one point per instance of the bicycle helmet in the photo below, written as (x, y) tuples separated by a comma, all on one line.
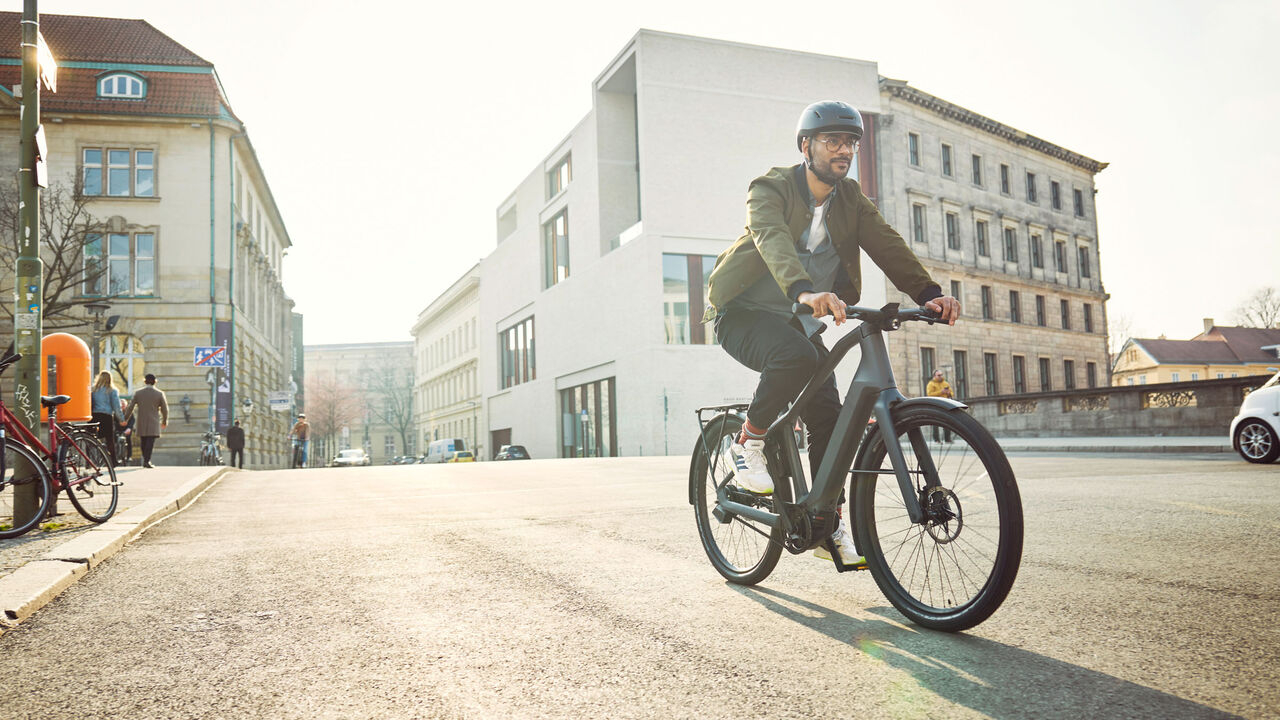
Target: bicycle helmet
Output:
[(828, 116)]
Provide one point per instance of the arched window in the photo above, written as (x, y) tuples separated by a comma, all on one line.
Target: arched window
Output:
[(122, 85), (124, 357)]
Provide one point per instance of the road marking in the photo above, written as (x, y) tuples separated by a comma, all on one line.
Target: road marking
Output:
[(1217, 511)]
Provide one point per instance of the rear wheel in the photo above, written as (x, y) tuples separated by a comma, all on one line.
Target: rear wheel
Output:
[(1256, 442), (744, 551), (89, 478), (954, 569), (22, 472)]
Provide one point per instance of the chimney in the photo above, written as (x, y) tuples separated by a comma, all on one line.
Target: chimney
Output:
[(1208, 324)]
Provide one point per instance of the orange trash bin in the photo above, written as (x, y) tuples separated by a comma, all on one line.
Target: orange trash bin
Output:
[(73, 375)]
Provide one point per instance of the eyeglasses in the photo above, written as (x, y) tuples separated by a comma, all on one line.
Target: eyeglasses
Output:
[(835, 142)]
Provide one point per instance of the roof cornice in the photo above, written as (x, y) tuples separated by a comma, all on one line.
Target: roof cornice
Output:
[(900, 89)]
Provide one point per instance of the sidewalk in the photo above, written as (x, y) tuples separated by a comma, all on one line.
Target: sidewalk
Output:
[(1111, 444), (38, 566)]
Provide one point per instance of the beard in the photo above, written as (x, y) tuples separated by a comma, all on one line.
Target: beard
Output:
[(824, 172)]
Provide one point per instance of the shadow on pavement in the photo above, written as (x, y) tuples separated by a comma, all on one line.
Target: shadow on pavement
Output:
[(998, 680)]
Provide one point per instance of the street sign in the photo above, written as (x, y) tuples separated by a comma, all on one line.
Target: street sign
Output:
[(210, 357), (280, 400), (48, 66)]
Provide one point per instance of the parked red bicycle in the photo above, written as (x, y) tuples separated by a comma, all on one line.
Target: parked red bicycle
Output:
[(74, 461)]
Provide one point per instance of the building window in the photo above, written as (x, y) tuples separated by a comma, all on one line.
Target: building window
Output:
[(124, 356), (1065, 307), (685, 279), (558, 177), (389, 446), (917, 222), (1195, 376), (1010, 245), (122, 85), (981, 234), (1046, 378), (961, 379), (1077, 198), (1069, 375), (913, 149), (1040, 314), (118, 172), (1220, 375), (120, 264), (1082, 255), (946, 159), (1015, 306), (1088, 318), (555, 249), (1091, 374), (1060, 256), (1031, 187), (1019, 374), (956, 291), (1055, 195), (588, 420), (1037, 252), (977, 170), (1004, 179), (989, 370), (928, 364), (517, 354), (953, 231), (986, 302)]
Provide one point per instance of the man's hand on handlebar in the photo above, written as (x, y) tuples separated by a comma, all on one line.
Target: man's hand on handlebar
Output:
[(947, 307), (824, 303)]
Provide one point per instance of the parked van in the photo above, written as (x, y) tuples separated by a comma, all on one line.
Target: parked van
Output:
[(441, 450)]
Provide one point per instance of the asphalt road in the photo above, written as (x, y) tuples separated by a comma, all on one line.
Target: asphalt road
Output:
[(578, 589)]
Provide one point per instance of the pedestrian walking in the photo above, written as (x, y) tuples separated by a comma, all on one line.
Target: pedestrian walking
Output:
[(153, 416), (106, 412), (235, 443), (939, 387), (301, 433)]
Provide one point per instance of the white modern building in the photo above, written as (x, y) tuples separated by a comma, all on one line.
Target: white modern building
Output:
[(588, 310)]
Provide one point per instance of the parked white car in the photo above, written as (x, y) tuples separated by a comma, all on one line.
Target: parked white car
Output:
[(351, 458), (1255, 432)]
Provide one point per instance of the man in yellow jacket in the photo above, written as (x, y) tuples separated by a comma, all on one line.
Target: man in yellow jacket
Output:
[(938, 387)]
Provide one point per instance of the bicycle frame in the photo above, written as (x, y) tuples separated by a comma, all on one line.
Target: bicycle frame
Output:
[(872, 392), (50, 453)]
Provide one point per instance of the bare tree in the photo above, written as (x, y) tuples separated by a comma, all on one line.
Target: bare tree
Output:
[(388, 388), (66, 228), (1260, 310), (331, 406), (1119, 330)]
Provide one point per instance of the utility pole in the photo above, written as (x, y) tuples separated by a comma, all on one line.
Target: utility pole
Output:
[(28, 327)]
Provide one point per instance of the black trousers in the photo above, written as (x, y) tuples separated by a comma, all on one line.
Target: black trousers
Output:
[(777, 348), (237, 454), (148, 443), (107, 432)]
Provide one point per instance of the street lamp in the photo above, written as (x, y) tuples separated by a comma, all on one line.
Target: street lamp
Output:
[(96, 309)]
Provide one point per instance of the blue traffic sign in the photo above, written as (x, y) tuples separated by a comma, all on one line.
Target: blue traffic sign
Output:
[(211, 357)]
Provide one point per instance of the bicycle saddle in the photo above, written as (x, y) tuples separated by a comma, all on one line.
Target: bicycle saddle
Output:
[(54, 400)]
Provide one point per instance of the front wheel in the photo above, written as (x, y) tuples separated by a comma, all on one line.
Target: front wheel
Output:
[(953, 570), (743, 550), (25, 490), (89, 477), (1256, 442)]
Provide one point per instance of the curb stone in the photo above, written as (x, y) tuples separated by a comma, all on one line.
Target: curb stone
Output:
[(35, 584)]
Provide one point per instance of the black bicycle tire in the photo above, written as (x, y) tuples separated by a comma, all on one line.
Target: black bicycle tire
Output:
[(45, 482), (1008, 553), (66, 460), (718, 427)]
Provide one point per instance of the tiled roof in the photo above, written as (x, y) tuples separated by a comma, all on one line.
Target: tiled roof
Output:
[(1174, 352), (104, 45), (1245, 342), (97, 39)]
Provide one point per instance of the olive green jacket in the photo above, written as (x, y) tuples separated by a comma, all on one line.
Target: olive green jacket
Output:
[(778, 214)]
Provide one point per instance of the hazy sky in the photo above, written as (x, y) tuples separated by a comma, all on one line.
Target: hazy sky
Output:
[(390, 131)]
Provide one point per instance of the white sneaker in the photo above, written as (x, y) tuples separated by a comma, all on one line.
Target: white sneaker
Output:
[(749, 469), (843, 539)]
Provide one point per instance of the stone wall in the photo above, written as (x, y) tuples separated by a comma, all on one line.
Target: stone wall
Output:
[(1185, 408)]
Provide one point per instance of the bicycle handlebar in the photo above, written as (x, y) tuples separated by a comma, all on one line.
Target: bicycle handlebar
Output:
[(890, 316), (5, 363)]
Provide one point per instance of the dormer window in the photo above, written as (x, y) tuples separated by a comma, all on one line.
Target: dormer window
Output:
[(122, 85)]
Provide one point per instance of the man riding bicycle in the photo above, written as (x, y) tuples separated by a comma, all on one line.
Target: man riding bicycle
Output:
[(301, 434), (805, 226)]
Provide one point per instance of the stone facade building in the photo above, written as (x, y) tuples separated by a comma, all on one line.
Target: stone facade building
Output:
[(446, 357), (368, 389), (180, 217), (1006, 222)]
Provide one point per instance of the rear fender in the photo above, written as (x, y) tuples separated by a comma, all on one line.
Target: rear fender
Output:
[(710, 432)]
